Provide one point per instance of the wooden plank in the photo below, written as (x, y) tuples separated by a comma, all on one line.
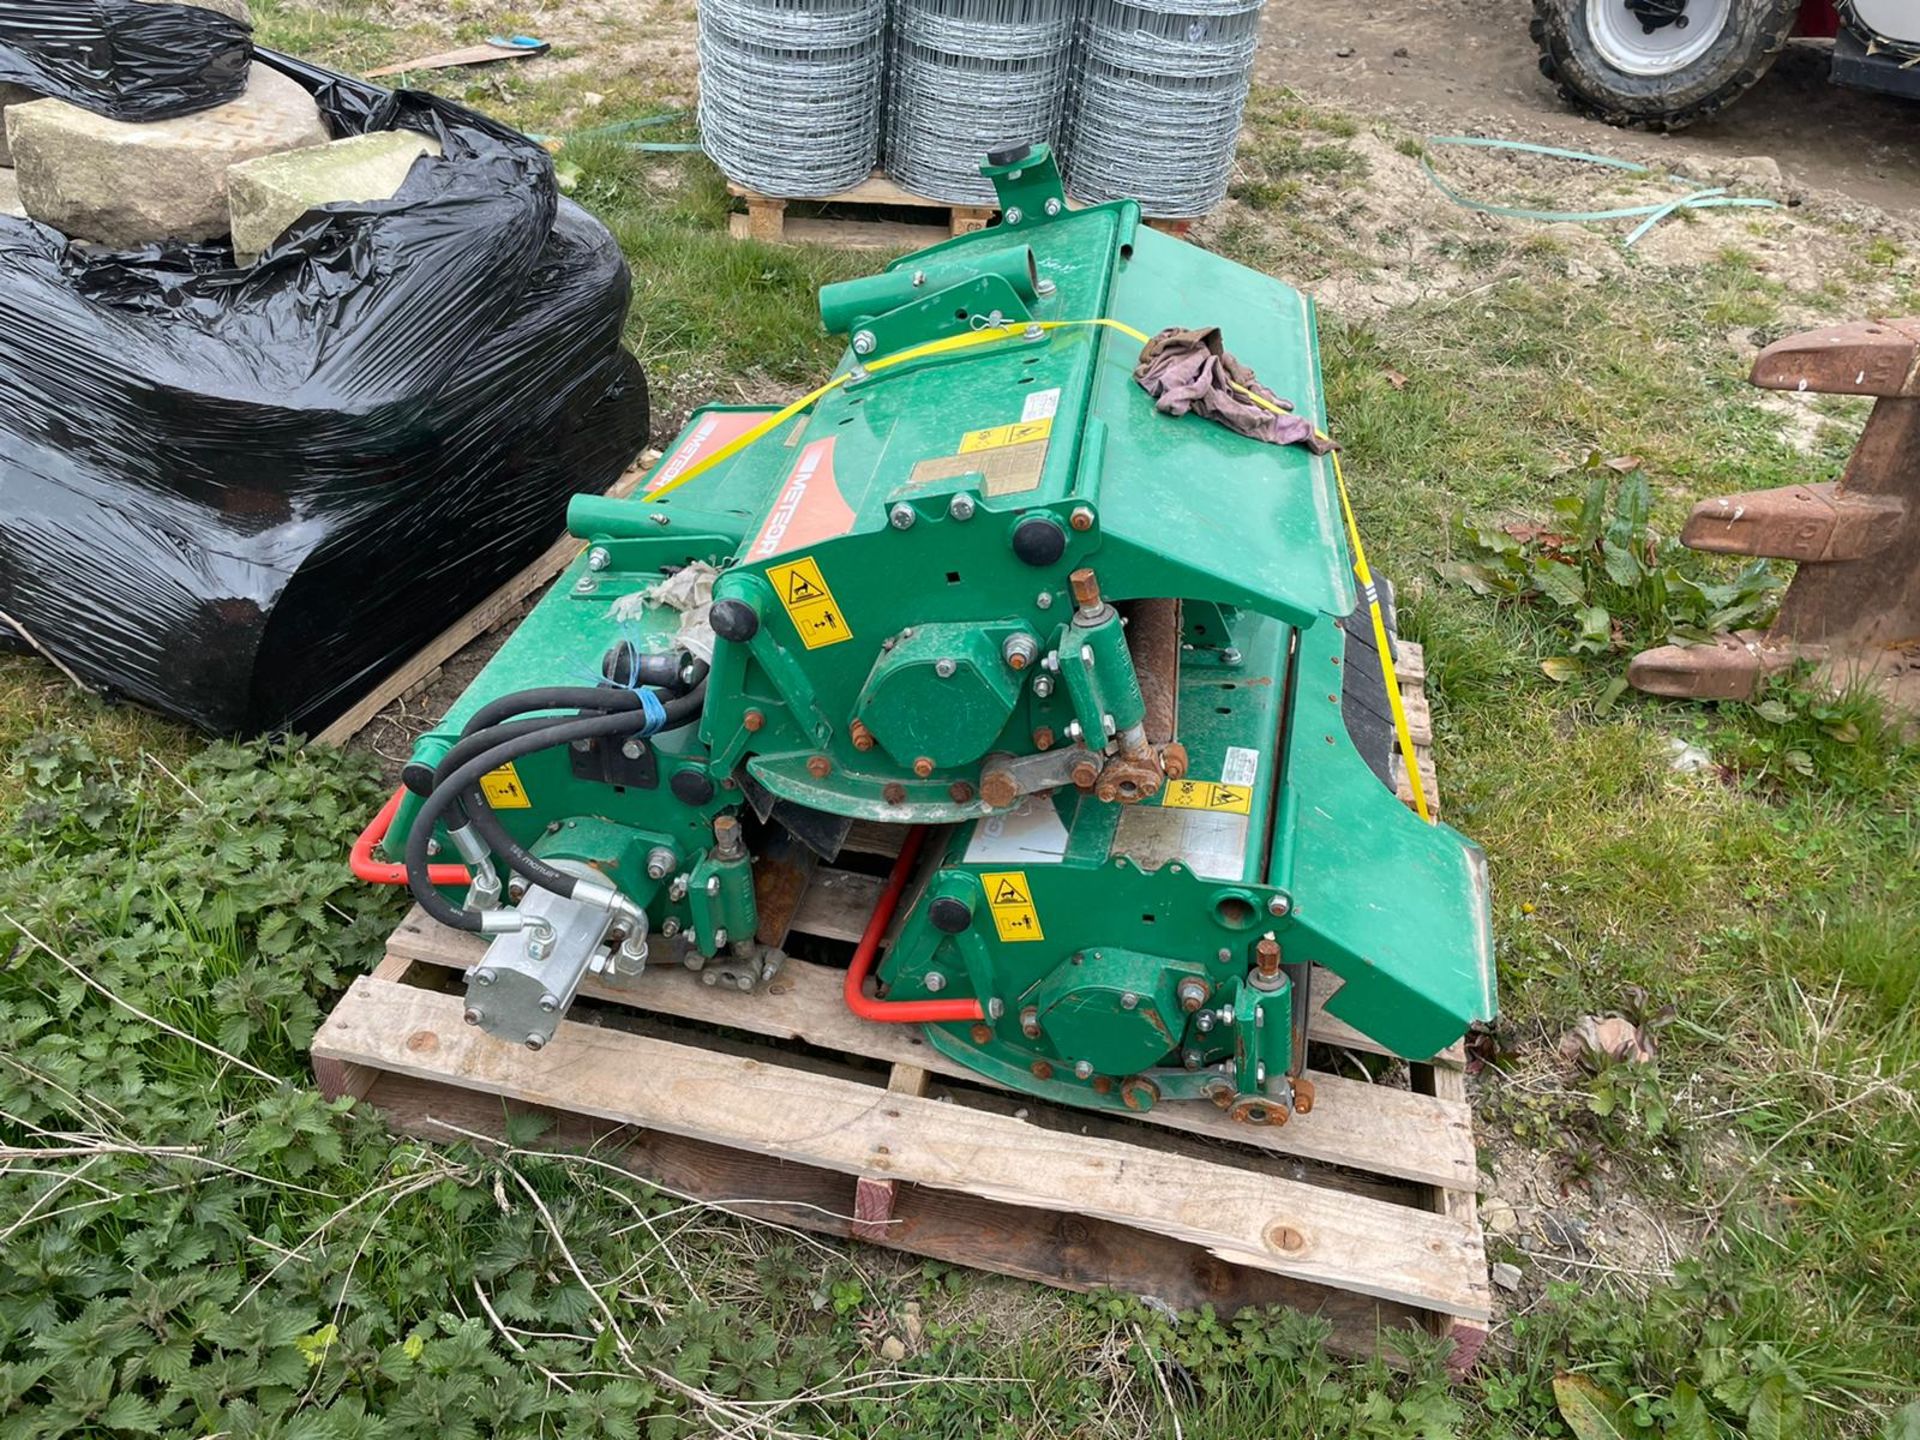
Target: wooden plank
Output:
[(873, 1200), (1368, 1127), (1261, 1221), (476, 622), (848, 234), (1072, 1252), (1448, 1083), (339, 1077)]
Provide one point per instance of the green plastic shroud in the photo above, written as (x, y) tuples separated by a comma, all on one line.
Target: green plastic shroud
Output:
[(901, 552)]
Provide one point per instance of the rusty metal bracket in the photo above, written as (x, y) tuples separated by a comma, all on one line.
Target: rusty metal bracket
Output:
[(1853, 608)]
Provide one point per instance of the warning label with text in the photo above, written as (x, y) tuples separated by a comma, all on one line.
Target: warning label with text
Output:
[(503, 789), (1011, 901), (1000, 436), (810, 604), (1205, 795)]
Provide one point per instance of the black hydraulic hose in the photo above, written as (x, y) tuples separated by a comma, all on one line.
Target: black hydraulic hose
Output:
[(552, 697), (464, 782)]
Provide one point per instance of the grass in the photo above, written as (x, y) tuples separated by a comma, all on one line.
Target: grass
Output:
[(227, 1254)]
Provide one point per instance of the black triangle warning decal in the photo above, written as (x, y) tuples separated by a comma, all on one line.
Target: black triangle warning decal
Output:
[(801, 590), (1008, 893)]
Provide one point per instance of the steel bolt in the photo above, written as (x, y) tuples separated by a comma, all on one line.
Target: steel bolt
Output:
[(660, 862), (936, 982), (1203, 1022), (633, 749), (1043, 737), (670, 927), (1129, 1001), (1013, 215), (1044, 600), (713, 885), (1083, 1069), (923, 767), (819, 766), (996, 1007), (549, 1003), (944, 669), (536, 1042), (585, 585), (1230, 655), (753, 720), (1041, 1070), (1043, 286), (901, 517), (1020, 651), (861, 736), (1053, 208), (678, 889), (483, 977), (894, 793), (1191, 1059), (1030, 1022), (1043, 685), (1081, 518), (433, 848), (719, 939), (961, 507), (1192, 993), (1280, 907), (474, 1015), (864, 342), (1033, 332), (598, 558), (960, 792), (583, 746), (982, 1033), (919, 278)]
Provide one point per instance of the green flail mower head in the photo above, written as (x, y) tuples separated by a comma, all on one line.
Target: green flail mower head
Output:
[(1090, 658)]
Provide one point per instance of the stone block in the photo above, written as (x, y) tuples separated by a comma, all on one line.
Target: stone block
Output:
[(271, 193), (125, 185), (10, 95), (10, 196)]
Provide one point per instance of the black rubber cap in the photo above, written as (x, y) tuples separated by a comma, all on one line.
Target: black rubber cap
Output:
[(734, 620), (691, 787), (1009, 154), (621, 663), (949, 915), (1039, 540), (418, 778)]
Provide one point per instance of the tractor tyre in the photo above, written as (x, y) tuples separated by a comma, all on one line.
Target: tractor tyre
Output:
[(1659, 64)]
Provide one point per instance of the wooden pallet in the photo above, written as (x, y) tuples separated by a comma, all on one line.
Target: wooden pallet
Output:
[(853, 219), (785, 1106)]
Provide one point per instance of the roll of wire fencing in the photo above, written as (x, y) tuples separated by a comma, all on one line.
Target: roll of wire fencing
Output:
[(969, 76), (1156, 113), (790, 92)]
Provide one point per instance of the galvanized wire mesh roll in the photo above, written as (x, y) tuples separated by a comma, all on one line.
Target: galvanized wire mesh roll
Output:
[(1156, 114), (970, 75), (790, 92)]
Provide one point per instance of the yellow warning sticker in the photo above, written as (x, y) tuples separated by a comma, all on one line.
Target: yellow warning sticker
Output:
[(503, 789), (1204, 795), (1011, 901), (815, 613), (1024, 433)]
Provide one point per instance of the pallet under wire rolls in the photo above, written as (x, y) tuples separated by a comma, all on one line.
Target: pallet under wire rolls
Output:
[(968, 76), (790, 92), (1156, 114)]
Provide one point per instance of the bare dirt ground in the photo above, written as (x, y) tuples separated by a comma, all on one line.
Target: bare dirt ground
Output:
[(1468, 66)]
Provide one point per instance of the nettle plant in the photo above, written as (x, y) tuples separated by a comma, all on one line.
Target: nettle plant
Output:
[(1606, 578)]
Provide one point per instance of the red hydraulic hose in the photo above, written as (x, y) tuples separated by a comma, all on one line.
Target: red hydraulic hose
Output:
[(375, 872), (898, 1012)]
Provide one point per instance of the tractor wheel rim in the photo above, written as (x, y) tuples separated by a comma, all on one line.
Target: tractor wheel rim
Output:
[(1620, 33)]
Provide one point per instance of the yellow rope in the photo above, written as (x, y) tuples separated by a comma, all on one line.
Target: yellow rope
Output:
[(1364, 575), (916, 352)]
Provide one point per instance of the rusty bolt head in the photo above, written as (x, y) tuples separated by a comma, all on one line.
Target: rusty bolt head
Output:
[(1193, 993), (1030, 1022), (1266, 955), (923, 767), (1102, 1084), (1043, 738), (1081, 518), (1042, 1070), (1086, 588), (1173, 760), (894, 793), (999, 789), (960, 791), (982, 1033), (819, 766), (753, 720), (861, 736), (1085, 773)]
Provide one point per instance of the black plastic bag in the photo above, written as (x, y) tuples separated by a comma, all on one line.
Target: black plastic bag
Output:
[(240, 496), (125, 59)]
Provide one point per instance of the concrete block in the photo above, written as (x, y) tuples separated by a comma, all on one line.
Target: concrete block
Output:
[(232, 9), (126, 185), (271, 193), (10, 197), (10, 95)]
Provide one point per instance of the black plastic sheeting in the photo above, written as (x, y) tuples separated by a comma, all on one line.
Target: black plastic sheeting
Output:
[(125, 59), (241, 496)]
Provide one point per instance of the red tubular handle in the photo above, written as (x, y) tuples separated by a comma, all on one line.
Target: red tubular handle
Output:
[(376, 872), (898, 1012)]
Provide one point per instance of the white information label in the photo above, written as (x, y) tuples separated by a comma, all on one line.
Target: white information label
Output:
[(1242, 766), (1041, 405), (1028, 834)]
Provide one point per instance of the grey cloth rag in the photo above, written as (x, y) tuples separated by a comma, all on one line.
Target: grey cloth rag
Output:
[(1190, 370)]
